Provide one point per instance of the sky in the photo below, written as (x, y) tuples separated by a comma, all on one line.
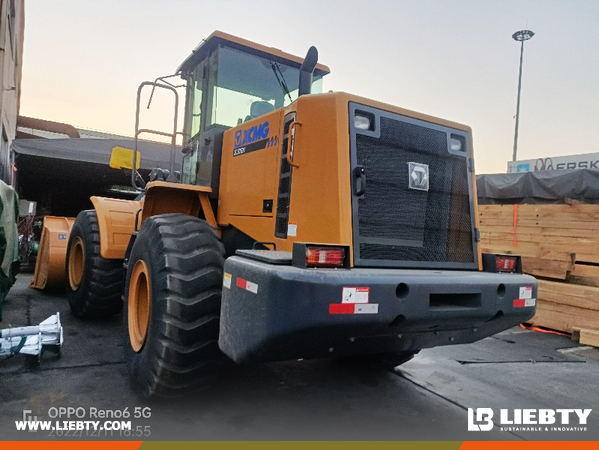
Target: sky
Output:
[(455, 59)]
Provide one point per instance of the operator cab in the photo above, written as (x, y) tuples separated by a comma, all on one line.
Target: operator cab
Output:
[(230, 81)]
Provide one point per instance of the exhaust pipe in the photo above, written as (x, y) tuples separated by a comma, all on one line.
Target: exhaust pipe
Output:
[(306, 71)]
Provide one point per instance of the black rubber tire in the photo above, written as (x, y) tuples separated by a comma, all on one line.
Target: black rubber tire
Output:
[(99, 293), (184, 260)]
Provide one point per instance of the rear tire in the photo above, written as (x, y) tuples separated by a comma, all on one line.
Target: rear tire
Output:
[(172, 306), (94, 284)]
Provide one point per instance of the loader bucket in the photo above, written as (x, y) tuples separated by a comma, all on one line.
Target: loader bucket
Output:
[(50, 265)]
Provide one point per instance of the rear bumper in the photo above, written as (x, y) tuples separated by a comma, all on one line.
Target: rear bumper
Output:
[(272, 313)]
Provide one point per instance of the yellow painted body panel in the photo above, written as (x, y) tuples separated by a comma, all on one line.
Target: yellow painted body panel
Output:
[(116, 220), (321, 198), (166, 198), (51, 259), (248, 179)]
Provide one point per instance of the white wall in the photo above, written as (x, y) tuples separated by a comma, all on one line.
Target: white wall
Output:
[(11, 60)]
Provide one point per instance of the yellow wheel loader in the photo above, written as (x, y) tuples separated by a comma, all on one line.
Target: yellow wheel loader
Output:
[(302, 225)]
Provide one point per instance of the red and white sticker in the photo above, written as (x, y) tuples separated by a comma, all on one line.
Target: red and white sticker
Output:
[(525, 302), (227, 280), (355, 295), (353, 308), (247, 285), (526, 292)]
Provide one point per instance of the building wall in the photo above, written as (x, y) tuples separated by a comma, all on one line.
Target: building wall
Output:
[(12, 26)]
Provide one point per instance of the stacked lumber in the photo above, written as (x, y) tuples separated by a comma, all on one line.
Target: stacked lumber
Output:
[(559, 245)]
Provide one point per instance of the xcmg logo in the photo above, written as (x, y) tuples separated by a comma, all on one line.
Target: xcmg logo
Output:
[(253, 134), (529, 419)]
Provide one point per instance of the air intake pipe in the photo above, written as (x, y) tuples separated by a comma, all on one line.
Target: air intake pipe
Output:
[(306, 71)]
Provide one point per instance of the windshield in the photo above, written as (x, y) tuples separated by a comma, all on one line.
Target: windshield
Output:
[(241, 86)]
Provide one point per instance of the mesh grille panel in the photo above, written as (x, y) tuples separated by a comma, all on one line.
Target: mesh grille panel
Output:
[(395, 223)]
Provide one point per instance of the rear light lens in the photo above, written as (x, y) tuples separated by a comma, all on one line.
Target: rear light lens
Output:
[(505, 263), (325, 257)]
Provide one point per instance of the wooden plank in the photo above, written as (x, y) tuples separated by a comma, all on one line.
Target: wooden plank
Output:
[(585, 270), (535, 252), (540, 250), (588, 212), (529, 248), (589, 337), (548, 268), (585, 275), (540, 238), (563, 317), (553, 223), (561, 294), (544, 231)]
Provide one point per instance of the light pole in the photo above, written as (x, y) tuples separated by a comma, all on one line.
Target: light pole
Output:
[(521, 36)]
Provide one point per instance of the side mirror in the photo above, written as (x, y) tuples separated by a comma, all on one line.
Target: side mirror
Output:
[(122, 158)]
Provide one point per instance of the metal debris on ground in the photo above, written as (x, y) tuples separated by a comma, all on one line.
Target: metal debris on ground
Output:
[(32, 340)]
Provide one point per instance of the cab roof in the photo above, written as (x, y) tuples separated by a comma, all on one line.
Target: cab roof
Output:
[(220, 38)]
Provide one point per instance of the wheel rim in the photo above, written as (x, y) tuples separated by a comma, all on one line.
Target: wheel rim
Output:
[(76, 262), (139, 305)]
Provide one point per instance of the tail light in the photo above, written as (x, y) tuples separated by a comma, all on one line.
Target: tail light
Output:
[(505, 263), (502, 263), (324, 257), (314, 255)]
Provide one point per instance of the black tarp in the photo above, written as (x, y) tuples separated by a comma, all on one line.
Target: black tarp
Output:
[(62, 174), (153, 154), (542, 187)]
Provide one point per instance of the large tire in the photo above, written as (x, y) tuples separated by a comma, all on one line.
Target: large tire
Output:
[(172, 301), (94, 284)]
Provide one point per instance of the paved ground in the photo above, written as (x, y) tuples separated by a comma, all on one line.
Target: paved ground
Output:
[(426, 399)]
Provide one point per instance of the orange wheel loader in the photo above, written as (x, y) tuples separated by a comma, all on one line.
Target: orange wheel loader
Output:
[(302, 225)]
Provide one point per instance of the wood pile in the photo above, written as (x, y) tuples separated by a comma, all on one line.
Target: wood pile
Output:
[(559, 245)]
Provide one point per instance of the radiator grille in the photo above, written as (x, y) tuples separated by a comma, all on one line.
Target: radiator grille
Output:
[(396, 224)]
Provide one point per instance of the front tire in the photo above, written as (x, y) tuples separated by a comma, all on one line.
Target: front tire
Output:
[(94, 284), (172, 306)]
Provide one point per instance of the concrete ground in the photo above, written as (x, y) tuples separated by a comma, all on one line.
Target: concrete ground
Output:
[(425, 399)]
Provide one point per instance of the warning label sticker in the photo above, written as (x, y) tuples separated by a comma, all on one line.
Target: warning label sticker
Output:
[(292, 229), (355, 295), (526, 292), (227, 280)]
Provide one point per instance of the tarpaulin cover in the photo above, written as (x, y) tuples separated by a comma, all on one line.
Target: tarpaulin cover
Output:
[(9, 239), (542, 187), (153, 154)]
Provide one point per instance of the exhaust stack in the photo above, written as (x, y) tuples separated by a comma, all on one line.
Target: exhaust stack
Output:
[(306, 71)]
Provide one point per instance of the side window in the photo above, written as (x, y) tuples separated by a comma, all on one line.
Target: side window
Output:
[(194, 102)]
